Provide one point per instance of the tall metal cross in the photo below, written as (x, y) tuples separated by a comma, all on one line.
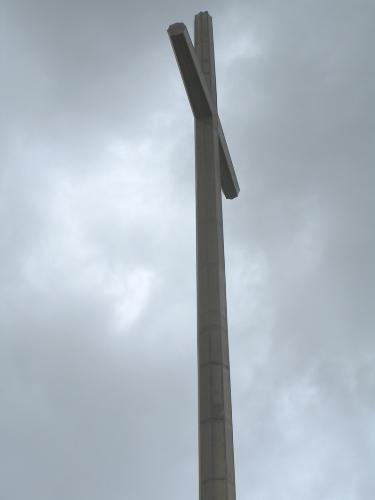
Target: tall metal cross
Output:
[(213, 172)]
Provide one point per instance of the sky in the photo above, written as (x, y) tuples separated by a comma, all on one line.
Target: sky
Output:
[(98, 371)]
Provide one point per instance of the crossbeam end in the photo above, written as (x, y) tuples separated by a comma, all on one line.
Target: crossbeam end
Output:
[(229, 182), (194, 81)]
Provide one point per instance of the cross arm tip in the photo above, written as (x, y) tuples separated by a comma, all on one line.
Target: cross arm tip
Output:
[(229, 182), (176, 29), (192, 76)]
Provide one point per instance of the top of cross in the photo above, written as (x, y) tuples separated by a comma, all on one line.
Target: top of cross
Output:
[(201, 99)]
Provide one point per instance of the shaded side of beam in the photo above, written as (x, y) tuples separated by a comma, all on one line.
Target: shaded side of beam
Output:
[(192, 76), (229, 183)]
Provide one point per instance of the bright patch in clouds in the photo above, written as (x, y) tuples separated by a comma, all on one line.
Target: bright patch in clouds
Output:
[(241, 46), (131, 296)]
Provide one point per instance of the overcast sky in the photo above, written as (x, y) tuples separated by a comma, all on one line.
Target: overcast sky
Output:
[(98, 375)]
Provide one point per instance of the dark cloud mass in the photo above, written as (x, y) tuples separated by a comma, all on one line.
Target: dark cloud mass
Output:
[(97, 255)]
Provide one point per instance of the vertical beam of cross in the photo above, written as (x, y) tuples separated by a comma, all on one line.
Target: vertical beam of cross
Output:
[(216, 468), (213, 171)]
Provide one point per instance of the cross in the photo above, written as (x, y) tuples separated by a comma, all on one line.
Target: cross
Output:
[(213, 172)]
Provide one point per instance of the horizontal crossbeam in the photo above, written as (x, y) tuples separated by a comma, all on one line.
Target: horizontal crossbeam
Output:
[(200, 100)]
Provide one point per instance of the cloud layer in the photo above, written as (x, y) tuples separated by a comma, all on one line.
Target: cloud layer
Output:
[(97, 255)]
